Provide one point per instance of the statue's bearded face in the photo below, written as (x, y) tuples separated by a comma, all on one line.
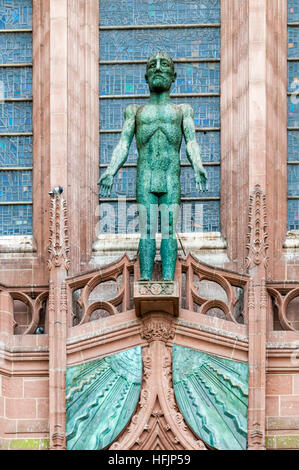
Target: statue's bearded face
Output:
[(160, 73)]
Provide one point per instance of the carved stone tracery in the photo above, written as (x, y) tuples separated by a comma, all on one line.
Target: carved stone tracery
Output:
[(282, 294)]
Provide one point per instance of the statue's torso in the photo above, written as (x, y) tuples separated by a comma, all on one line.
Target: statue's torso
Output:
[(159, 135)]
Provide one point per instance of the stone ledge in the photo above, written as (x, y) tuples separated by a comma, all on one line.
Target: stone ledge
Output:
[(209, 247), (129, 242), (17, 244)]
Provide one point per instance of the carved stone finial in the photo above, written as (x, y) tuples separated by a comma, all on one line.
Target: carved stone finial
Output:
[(58, 248), (257, 245)]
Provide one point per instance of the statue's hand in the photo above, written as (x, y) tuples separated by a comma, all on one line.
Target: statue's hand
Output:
[(201, 179), (105, 182)]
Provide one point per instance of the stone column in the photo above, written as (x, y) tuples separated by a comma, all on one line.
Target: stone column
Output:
[(257, 240), (58, 266), (70, 141), (245, 131)]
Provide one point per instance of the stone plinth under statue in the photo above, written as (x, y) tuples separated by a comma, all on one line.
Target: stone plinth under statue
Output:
[(159, 126), (156, 296)]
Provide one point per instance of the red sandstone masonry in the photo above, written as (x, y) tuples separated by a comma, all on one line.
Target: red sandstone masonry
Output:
[(272, 406), (42, 408), (296, 385), (12, 387), (17, 407), (289, 405), (279, 384), (282, 404), (36, 427), (36, 388)]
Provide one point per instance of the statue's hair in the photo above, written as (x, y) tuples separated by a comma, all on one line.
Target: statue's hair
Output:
[(162, 54)]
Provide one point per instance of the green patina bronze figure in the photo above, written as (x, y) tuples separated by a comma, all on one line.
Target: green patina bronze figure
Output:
[(158, 126)]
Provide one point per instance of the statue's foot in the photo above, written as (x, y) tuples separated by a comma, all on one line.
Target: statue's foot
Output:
[(144, 279)]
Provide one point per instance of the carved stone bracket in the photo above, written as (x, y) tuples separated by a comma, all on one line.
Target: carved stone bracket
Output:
[(151, 296), (158, 327), (257, 236)]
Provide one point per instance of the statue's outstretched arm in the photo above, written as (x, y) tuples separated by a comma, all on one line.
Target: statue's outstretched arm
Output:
[(121, 151), (192, 148)]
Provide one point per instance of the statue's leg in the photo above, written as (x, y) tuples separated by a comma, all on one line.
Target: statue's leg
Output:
[(169, 248), (148, 212)]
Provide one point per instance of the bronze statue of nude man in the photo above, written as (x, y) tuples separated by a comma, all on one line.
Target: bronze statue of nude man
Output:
[(158, 126)]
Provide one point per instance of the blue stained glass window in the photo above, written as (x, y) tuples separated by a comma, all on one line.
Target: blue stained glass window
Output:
[(191, 78), (293, 112), (15, 117), (199, 216), (15, 151), (198, 73), (209, 143), (124, 183), (201, 43), (293, 41), (15, 82), (293, 180), (293, 214), (293, 116), (188, 188), (16, 220), (15, 14), (149, 12), (118, 217), (15, 48), (293, 77), (293, 11), (293, 146), (15, 186)]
